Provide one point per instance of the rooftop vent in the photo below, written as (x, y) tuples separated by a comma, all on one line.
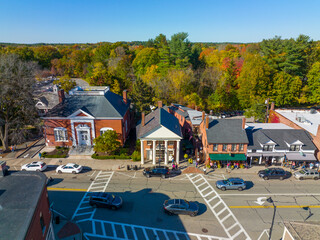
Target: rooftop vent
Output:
[(313, 111)]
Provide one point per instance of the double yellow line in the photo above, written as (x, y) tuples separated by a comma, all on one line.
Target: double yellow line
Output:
[(280, 206)]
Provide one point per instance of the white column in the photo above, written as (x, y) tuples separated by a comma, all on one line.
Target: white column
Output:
[(260, 159), (166, 152), (154, 152), (142, 152), (178, 152)]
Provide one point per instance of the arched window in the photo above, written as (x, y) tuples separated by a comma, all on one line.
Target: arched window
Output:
[(60, 134), (103, 130)]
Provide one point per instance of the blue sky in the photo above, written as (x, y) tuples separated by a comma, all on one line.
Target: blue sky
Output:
[(82, 21)]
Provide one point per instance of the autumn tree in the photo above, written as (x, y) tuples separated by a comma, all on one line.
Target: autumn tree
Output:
[(314, 84), (144, 59), (65, 83), (45, 54), (17, 110)]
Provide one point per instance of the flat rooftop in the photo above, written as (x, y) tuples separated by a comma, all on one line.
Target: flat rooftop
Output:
[(19, 196), (303, 118)]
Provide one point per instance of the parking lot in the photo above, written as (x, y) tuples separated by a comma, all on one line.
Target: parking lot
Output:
[(222, 214)]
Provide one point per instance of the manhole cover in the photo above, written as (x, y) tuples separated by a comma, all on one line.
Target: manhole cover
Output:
[(204, 230)]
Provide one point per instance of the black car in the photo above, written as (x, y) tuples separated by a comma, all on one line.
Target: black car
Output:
[(180, 206), (156, 171), (273, 173), (103, 199)]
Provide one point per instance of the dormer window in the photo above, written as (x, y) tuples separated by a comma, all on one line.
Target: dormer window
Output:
[(295, 148), (268, 148)]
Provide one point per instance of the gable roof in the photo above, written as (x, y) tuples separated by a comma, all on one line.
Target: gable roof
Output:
[(156, 119), (280, 136), (99, 106), (226, 131)]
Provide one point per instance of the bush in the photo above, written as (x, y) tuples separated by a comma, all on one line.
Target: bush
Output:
[(136, 156), (55, 156), (96, 156)]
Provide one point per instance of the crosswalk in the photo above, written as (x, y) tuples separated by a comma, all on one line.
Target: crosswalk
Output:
[(112, 230), (100, 183), (228, 221)]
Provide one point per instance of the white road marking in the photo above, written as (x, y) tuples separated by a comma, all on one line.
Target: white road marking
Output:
[(127, 175), (92, 174), (259, 200), (94, 187), (264, 231), (195, 179), (135, 234)]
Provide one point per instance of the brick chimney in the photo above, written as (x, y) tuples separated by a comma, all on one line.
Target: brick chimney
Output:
[(169, 110), (142, 119), (243, 123), (61, 95), (272, 106), (207, 122), (203, 115), (159, 104), (124, 94)]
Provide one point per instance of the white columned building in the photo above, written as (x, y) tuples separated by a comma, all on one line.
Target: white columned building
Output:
[(160, 135)]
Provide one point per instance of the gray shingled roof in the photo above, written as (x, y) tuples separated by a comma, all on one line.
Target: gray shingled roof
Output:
[(280, 137), (99, 106), (226, 131), (177, 108), (158, 118), (19, 196)]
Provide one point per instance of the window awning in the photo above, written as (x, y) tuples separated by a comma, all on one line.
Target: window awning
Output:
[(228, 157), (300, 157), (265, 154)]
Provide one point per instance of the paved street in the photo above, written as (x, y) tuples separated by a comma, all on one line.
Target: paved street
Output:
[(223, 215)]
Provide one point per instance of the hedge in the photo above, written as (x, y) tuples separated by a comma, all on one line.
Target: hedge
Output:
[(95, 156), (54, 156)]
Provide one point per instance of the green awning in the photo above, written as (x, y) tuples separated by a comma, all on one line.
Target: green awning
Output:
[(228, 157)]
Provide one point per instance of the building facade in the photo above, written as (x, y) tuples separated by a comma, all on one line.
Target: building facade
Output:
[(85, 115), (224, 140), (160, 134)]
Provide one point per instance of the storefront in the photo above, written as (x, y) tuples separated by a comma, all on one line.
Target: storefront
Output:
[(260, 158), (300, 158), (224, 159)]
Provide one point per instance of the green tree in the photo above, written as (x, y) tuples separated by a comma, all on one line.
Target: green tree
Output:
[(144, 59), (254, 81), (142, 95), (286, 89), (314, 84), (45, 54), (180, 50), (107, 143), (257, 110), (17, 109), (66, 83)]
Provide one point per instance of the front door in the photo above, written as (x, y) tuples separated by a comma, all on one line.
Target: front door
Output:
[(84, 137)]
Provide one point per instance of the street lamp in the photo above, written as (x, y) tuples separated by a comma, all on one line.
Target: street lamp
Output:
[(269, 200)]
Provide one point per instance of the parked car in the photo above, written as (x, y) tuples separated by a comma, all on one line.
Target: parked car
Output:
[(231, 183), (273, 173), (159, 171), (34, 166), (69, 168), (180, 206), (107, 200), (307, 174)]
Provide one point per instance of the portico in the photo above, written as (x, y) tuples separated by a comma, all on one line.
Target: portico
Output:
[(160, 135)]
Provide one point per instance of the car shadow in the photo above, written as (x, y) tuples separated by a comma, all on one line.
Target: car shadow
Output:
[(249, 184), (53, 181), (202, 208), (86, 169)]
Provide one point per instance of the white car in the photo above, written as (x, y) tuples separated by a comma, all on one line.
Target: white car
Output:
[(34, 166), (69, 168)]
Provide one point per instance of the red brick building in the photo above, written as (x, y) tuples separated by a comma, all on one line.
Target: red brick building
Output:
[(224, 140), (85, 115), (25, 210)]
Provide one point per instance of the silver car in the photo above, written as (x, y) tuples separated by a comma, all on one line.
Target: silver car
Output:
[(307, 174), (231, 183)]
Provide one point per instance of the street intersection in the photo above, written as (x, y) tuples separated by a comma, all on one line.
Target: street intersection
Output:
[(223, 215)]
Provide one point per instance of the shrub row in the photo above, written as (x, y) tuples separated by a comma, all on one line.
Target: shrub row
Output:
[(54, 156), (95, 156)]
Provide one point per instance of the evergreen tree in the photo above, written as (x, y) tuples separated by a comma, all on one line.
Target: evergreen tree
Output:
[(142, 95)]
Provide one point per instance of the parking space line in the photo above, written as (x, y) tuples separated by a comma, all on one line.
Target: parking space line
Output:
[(135, 228)]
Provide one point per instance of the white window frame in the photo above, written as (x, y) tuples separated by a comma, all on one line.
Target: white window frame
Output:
[(104, 129), (59, 137), (295, 148)]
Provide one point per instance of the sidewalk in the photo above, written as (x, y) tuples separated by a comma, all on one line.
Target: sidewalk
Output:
[(121, 165)]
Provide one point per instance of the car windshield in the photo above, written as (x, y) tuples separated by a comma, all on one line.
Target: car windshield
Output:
[(111, 197), (224, 181), (302, 172), (76, 166), (185, 203)]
